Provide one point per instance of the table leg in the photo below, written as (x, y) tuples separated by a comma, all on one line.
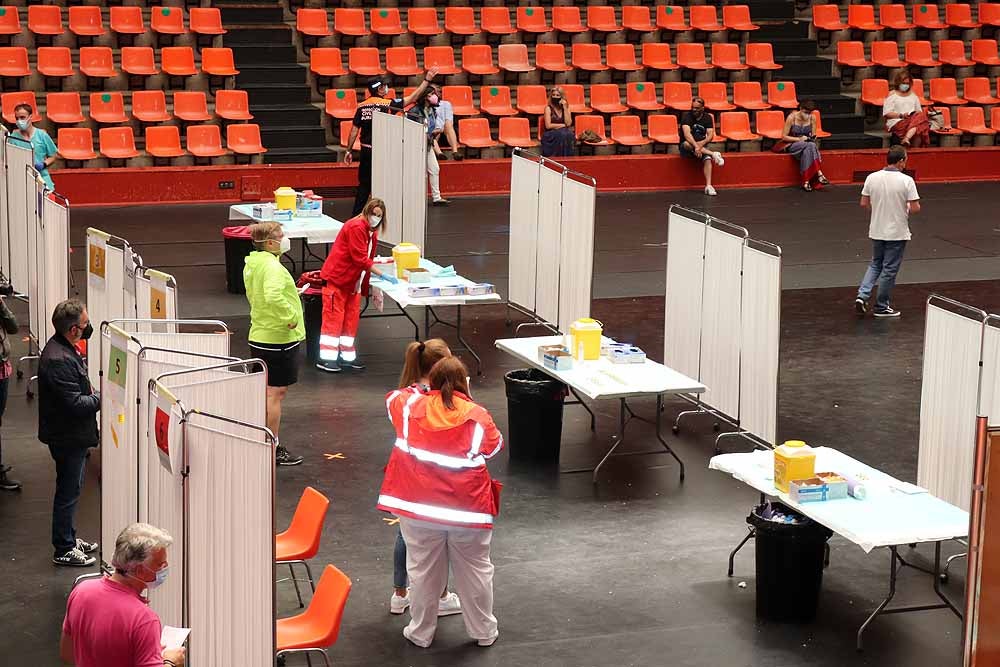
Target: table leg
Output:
[(402, 313), (659, 433), (622, 407), (751, 533), (886, 601), (463, 345), (579, 401)]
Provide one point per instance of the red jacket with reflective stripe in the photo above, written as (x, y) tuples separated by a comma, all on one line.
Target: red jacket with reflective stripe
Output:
[(351, 254), (437, 469)]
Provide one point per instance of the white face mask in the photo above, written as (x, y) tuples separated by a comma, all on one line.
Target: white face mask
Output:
[(903, 87), (285, 245), (374, 221), (23, 123)]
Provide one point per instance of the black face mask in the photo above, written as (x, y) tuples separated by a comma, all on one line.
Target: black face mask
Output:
[(87, 332), (697, 112)]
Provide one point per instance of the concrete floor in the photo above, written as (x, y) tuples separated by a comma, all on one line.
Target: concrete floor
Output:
[(631, 571)]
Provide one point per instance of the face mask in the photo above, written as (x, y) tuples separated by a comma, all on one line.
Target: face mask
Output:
[(697, 112), (23, 123), (285, 245), (433, 99), (160, 577), (374, 221), (87, 332), (903, 87)]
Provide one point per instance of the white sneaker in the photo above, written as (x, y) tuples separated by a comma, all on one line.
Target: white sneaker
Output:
[(488, 642), (718, 159), (406, 633), (710, 191), (399, 603), (449, 605)]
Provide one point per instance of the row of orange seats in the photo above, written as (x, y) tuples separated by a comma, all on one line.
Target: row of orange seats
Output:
[(862, 17), (147, 106), (477, 59), (975, 89), (118, 143), (496, 20), (99, 61), (88, 20), (919, 53)]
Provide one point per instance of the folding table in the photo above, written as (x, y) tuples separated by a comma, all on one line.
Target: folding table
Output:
[(319, 229)]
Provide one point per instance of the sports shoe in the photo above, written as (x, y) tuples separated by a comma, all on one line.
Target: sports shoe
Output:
[(441, 202), (449, 605), (355, 365), (285, 458), (6, 483), (710, 191), (86, 547), (399, 603), (860, 307), (488, 642), (329, 366), (406, 633), (718, 159), (888, 312), (74, 558)]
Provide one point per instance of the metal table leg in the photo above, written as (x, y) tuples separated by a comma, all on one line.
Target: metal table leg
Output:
[(463, 345), (579, 401), (751, 533), (402, 313)]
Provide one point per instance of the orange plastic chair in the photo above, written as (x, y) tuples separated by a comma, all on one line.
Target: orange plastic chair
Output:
[(919, 53), (233, 105), (782, 94), (516, 132), (627, 131), (54, 61), (874, 91), (513, 57), (641, 96), (761, 56), (926, 16), (704, 17), (886, 54), (496, 21), (204, 140), (350, 21), (478, 59), (76, 143), (586, 122), (164, 141), (918, 90), (313, 22), (97, 62), (63, 108), (206, 21), (975, 89), (989, 14), (671, 17), (862, 17), (345, 134), (852, 54), (566, 18), (461, 100), (692, 56), (495, 101), (959, 15), (10, 21), (244, 138), (715, 95), (475, 133), (191, 105), (748, 95), (735, 125), (532, 99), (575, 97), (108, 108), (727, 56), (663, 128), (326, 61), (587, 57), (972, 120), (532, 19), (621, 57), (150, 106), (118, 143), (460, 21), (602, 18), (737, 17), (178, 60), (218, 62), (947, 128), (423, 21), (386, 21), (551, 58), (14, 61), (952, 52), (638, 18), (770, 124), (818, 126), (127, 20), (995, 118), (827, 17), (319, 625), (364, 61), (86, 21), (167, 20), (984, 51), (45, 20), (139, 61), (677, 95), (402, 61), (442, 57), (606, 98), (8, 101), (945, 91), (893, 16), (657, 56)]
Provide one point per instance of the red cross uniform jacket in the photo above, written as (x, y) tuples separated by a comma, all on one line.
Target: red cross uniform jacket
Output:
[(437, 469), (351, 257)]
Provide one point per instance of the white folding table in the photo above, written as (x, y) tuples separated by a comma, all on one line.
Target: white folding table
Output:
[(320, 229), (604, 380), (893, 514)]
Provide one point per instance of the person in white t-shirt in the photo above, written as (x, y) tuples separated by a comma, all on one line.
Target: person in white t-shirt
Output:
[(891, 196), (904, 117)]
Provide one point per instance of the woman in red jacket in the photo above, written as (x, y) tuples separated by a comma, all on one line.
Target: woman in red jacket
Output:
[(347, 272), (438, 485)]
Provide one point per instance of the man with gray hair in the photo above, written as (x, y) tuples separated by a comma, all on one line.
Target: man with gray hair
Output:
[(67, 423), (108, 624)]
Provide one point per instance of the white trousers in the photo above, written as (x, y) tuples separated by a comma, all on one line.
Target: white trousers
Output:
[(430, 548), (434, 174)]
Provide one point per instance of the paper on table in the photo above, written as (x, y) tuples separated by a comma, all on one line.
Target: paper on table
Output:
[(174, 638)]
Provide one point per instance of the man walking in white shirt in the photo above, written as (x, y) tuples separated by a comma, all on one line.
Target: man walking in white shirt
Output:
[(891, 196)]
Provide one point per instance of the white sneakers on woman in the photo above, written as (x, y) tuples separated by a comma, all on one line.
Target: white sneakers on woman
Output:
[(447, 606), (710, 191)]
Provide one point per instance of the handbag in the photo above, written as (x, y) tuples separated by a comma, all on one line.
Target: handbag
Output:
[(935, 118)]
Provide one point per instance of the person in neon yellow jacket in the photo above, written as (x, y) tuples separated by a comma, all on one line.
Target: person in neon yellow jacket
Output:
[(276, 323)]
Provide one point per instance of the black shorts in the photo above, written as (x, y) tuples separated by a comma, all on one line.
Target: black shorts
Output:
[(281, 359), (686, 151)]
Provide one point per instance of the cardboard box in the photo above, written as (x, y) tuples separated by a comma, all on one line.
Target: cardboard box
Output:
[(451, 290), (818, 489), (626, 354), (418, 291), (479, 289), (417, 275), (549, 349), (559, 360)]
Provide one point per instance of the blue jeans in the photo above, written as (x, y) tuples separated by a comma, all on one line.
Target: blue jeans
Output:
[(399, 579), (887, 256), (71, 463)]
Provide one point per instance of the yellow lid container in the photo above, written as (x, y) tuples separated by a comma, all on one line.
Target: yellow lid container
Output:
[(586, 339), (793, 461), (284, 199), (406, 256)]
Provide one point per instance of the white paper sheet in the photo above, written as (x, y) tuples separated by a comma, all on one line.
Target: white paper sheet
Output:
[(174, 638)]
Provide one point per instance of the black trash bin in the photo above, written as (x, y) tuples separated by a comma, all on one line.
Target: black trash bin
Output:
[(312, 313), (238, 245), (790, 559), (534, 415)]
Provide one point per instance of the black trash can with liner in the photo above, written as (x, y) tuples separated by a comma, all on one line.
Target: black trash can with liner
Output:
[(534, 415), (238, 245), (790, 559)]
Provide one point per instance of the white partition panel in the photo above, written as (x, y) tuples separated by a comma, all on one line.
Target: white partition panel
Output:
[(761, 329), (35, 187), (720, 322), (387, 161), (411, 217), (576, 251), (989, 404), (549, 244), (20, 212), (524, 174), (4, 202), (53, 272), (683, 304), (155, 298)]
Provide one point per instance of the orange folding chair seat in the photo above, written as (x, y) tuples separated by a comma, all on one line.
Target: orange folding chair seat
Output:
[(989, 13), (442, 57), (551, 58), (164, 141), (852, 54), (167, 20), (627, 131), (178, 60), (423, 21), (818, 125), (984, 51), (54, 61), (663, 128), (327, 61), (874, 91), (657, 56), (118, 143), (735, 125), (782, 94), (975, 89), (727, 56), (532, 19), (995, 118), (496, 21), (345, 134), (862, 17), (952, 52), (566, 18), (947, 128), (86, 21), (827, 17), (531, 99), (886, 54), (386, 21), (945, 91), (461, 100), (460, 21), (495, 101), (233, 105), (14, 61), (761, 56), (749, 95), (972, 120), (918, 90), (10, 21), (926, 16), (205, 21), (621, 57), (606, 98), (770, 124), (218, 62), (350, 21), (204, 141), (63, 108), (587, 57), (475, 133), (244, 138), (108, 108), (715, 95), (893, 16), (575, 97), (513, 58), (642, 96), (319, 625), (402, 61), (313, 22), (191, 106), (671, 17), (150, 106), (8, 101), (364, 61), (602, 18), (638, 18), (585, 122), (45, 20), (692, 56), (139, 60), (959, 15), (75, 143), (516, 132), (97, 62), (737, 17), (127, 20), (478, 59), (677, 95), (705, 17)]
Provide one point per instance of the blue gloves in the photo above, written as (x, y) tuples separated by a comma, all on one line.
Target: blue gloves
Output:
[(389, 278), (39, 166)]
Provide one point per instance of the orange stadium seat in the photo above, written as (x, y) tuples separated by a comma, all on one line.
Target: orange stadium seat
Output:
[(513, 58), (244, 138), (139, 60), (475, 133), (727, 56), (972, 120), (127, 20), (386, 21), (204, 141), (14, 61), (737, 17), (638, 18), (350, 21), (989, 13), (748, 95), (641, 96), (442, 57), (621, 57), (735, 125), (551, 58), (516, 132), (423, 21), (167, 20), (782, 94), (178, 60), (86, 21), (496, 21), (586, 122), (55, 61), (164, 141), (313, 22), (461, 100), (191, 106), (108, 108), (341, 102), (602, 18), (926, 16), (692, 56), (10, 100), (532, 99), (45, 20), (205, 21), (662, 128), (852, 54), (761, 56), (705, 17), (567, 19), (945, 91), (627, 131), (677, 95), (326, 61), (402, 61), (460, 21), (919, 53), (975, 89), (893, 16), (874, 91), (495, 101), (918, 90), (827, 17), (995, 118), (886, 54), (10, 21), (587, 57), (218, 62), (818, 126), (532, 19), (770, 124), (984, 51), (606, 98), (97, 62), (952, 52), (364, 61), (575, 97), (657, 56), (862, 17), (345, 134), (715, 95), (478, 59), (76, 143), (959, 15), (150, 106), (671, 17), (64, 108)]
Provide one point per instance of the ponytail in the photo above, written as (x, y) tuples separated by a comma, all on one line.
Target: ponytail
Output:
[(419, 358), (449, 376)]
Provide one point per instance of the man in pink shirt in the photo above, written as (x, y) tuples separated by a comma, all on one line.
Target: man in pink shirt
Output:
[(108, 623)]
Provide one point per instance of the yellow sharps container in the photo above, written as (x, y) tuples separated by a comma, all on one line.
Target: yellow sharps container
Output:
[(792, 461), (406, 256), (284, 199), (586, 336)]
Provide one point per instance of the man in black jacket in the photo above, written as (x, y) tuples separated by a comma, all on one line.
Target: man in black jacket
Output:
[(67, 423)]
